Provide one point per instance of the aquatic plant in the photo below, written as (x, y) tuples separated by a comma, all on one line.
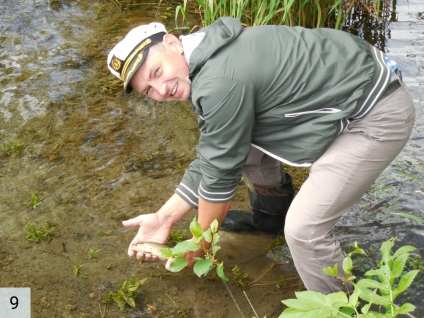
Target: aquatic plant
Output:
[(34, 201), (35, 234), (238, 276), (10, 147), (203, 265), (176, 236), (125, 294), (380, 287), (306, 13), (77, 269), (92, 254)]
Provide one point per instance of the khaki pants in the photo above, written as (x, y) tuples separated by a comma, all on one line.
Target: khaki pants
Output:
[(337, 180)]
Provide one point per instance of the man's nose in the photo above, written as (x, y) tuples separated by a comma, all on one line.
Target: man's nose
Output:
[(160, 87)]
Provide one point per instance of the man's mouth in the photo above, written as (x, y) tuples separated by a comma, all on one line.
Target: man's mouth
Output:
[(174, 90)]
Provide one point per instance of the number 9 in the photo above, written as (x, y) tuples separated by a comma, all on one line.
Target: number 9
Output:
[(14, 301)]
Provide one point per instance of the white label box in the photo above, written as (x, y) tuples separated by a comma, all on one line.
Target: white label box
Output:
[(15, 302)]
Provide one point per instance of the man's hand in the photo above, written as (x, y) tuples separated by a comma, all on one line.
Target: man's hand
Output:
[(151, 229), (155, 227)]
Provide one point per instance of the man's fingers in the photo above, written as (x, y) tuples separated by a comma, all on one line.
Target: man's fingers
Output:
[(131, 252), (168, 263), (132, 222)]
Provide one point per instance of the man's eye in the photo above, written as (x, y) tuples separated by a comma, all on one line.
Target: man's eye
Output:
[(157, 71), (147, 91)]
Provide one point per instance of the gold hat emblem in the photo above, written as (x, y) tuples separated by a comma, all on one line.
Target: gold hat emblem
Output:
[(116, 64)]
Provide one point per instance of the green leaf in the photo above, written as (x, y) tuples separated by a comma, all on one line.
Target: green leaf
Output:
[(347, 265), (354, 298), (385, 249), (314, 304), (214, 226), (185, 246), (130, 301), (294, 313), (196, 228), (405, 308), (404, 249), (405, 282), (371, 296), (178, 265), (370, 283), (215, 249), (202, 267), (306, 300), (338, 299), (207, 235), (410, 216), (215, 239), (398, 265), (331, 271), (220, 272), (167, 252)]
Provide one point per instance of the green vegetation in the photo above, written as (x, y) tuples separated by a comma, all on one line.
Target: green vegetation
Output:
[(125, 294), (92, 254), (176, 236), (77, 269), (238, 276), (34, 202), (10, 147), (378, 289), (36, 235), (306, 13), (203, 265)]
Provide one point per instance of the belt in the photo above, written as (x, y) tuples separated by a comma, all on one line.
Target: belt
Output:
[(393, 86)]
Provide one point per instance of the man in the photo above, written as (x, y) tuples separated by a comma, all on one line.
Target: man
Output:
[(264, 96)]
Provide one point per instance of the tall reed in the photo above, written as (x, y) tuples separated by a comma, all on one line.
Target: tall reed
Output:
[(306, 13)]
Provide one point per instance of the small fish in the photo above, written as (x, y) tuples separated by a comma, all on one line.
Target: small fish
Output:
[(151, 248)]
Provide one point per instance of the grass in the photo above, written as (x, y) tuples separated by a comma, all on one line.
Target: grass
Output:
[(306, 13)]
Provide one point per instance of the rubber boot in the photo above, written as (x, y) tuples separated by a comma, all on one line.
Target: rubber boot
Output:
[(269, 208)]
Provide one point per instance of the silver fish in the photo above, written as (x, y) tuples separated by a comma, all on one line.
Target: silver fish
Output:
[(152, 248)]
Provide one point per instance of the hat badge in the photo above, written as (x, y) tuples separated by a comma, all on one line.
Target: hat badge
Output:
[(116, 64)]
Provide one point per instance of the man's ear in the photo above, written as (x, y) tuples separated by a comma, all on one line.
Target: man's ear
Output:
[(170, 41)]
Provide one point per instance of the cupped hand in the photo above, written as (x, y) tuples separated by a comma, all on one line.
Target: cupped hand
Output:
[(152, 228)]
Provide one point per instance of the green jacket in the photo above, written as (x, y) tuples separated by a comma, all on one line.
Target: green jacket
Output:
[(288, 91)]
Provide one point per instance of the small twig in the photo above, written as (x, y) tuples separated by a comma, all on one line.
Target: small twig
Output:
[(234, 300), (102, 312), (266, 271), (172, 300), (250, 304)]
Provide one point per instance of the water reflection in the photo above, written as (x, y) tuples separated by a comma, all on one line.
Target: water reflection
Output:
[(363, 24)]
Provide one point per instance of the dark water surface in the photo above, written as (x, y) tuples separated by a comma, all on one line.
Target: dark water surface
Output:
[(96, 157)]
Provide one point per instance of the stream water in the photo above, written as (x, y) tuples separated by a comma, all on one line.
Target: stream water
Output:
[(95, 156)]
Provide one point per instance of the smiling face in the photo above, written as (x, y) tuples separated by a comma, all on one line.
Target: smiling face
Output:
[(162, 76)]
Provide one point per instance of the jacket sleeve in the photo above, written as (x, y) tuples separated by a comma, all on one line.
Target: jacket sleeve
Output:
[(227, 110)]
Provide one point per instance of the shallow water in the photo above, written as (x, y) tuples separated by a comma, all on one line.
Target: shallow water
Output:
[(96, 156)]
